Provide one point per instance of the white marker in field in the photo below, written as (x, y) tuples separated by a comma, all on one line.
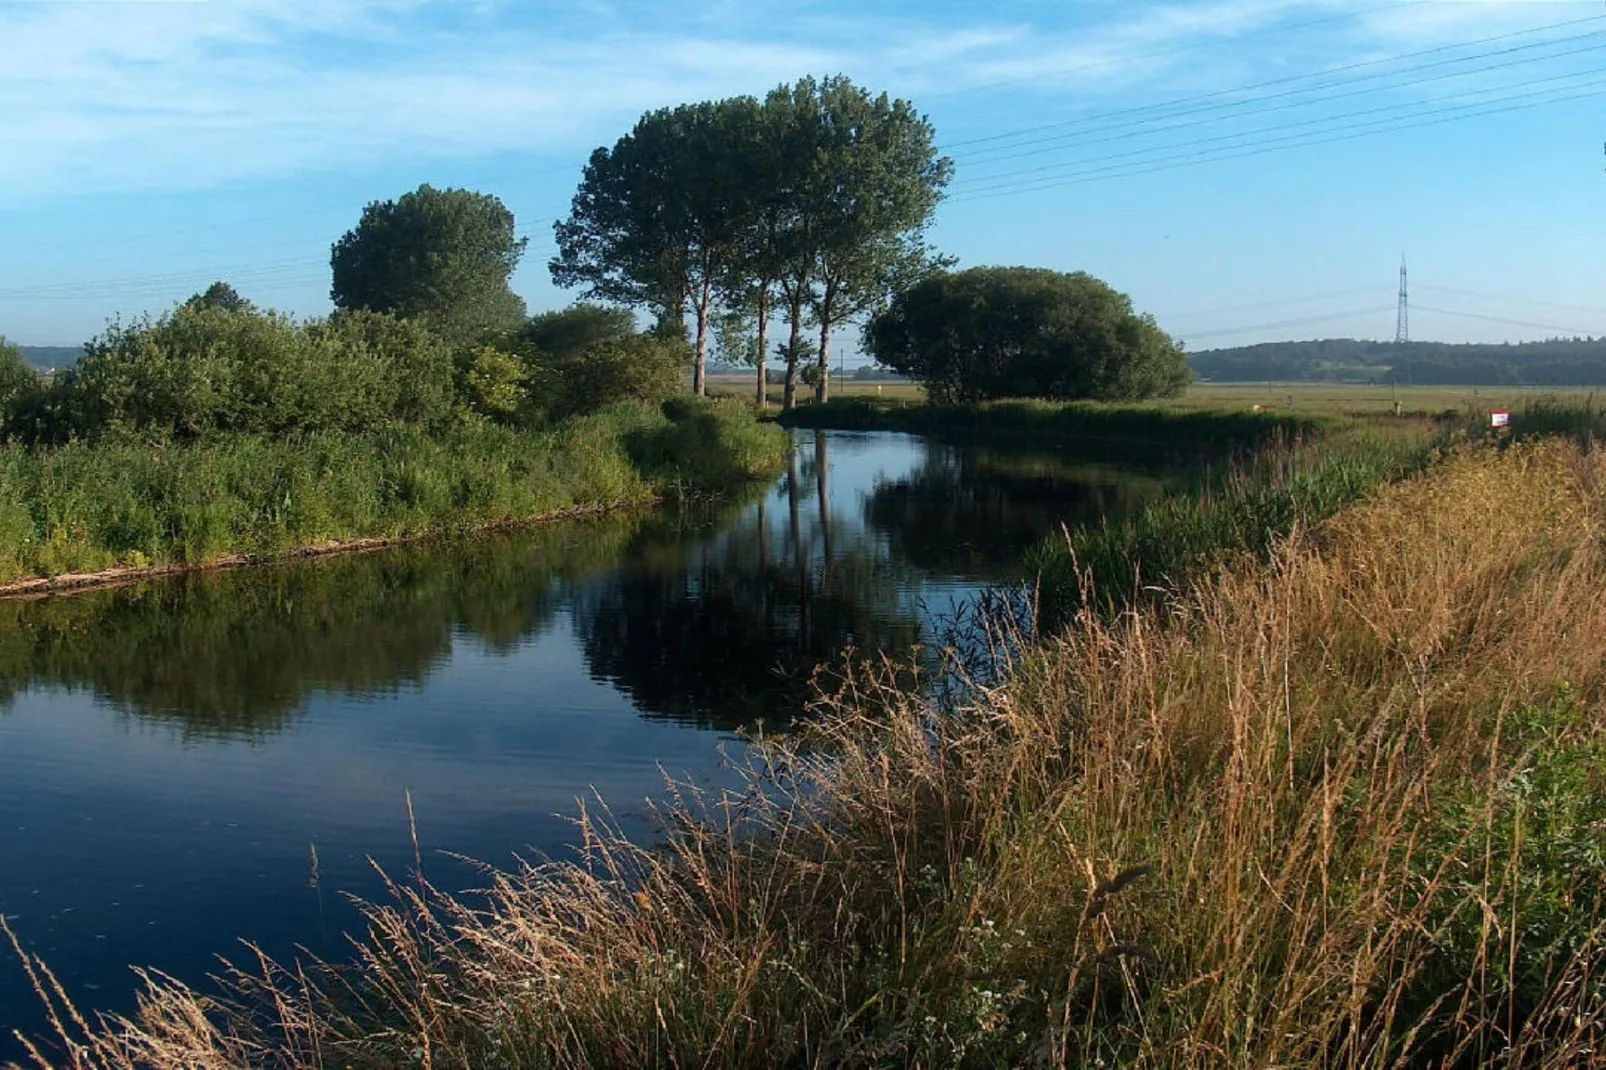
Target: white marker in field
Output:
[(1499, 418)]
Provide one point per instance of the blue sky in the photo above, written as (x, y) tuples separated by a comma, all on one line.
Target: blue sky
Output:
[(1192, 152)]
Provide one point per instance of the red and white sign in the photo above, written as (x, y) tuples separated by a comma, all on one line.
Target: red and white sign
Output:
[(1500, 418)]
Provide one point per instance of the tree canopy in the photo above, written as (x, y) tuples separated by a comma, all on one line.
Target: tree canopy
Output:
[(220, 295), (1026, 332), (815, 199), (444, 257)]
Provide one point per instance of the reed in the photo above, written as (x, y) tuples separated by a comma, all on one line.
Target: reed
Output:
[(1335, 806)]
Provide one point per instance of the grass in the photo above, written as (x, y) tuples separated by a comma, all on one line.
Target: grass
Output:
[(1334, 806), (1249, 505), (82, 508)]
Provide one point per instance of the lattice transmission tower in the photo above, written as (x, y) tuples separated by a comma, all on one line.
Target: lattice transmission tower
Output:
[(1402, 320)]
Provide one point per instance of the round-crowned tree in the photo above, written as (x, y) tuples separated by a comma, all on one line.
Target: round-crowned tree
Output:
[(443, 257), (1026, 332)]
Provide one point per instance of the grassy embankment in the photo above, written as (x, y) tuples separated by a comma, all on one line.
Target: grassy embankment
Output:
[(82, 508), (1333, 805)]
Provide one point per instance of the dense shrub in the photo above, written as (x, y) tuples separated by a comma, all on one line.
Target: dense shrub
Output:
[(587, 357), (1026, 332), (199, 370)]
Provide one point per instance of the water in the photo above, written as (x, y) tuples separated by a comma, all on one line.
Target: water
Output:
[(196, 761)]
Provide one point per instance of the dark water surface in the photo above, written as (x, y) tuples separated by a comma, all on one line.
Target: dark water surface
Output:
[(193, 761)]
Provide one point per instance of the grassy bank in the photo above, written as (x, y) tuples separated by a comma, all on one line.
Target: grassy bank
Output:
[(1338, 807), (1153, 427), (86, 507), (1247, 505)]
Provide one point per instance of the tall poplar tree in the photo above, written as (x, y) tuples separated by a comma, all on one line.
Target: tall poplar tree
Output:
[(656, 220)]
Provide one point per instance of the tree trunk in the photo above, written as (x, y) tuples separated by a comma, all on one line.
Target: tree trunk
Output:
[(822, 389), (789, 398), (763, 346), (699, 384)]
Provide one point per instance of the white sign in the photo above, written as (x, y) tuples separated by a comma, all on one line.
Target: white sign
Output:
[(1500, 418)]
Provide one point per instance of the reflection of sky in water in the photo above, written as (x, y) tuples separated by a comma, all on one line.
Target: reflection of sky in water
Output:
[(497, 683)]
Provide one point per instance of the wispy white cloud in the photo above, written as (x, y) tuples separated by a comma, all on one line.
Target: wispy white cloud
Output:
[(98, 96)]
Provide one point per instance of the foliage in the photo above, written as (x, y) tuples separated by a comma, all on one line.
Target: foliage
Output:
[(869, 185), (1026, 332), (441, 256), (197, 371), (1243, 828), (654, 222), (493, 383), (19, 384), (221, 296), (1555, 362), (587, 357), (820, 193), (82, 507)]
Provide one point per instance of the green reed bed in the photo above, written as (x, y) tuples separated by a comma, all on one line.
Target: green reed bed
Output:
[(87, 507)]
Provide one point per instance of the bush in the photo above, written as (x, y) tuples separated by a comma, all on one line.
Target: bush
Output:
[(588, 357), (200, 370), (1026, 332)]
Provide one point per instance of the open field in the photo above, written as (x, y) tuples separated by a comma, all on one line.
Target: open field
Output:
[(1337, 398), (1348, 399)]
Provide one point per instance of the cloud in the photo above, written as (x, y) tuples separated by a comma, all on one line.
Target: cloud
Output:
[(171, 95)]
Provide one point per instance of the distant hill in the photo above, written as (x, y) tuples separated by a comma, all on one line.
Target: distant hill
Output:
[(1557, 362), (43, 357)]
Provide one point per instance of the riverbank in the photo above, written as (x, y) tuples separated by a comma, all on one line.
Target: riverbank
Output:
[(83, 515), (1152, 427), (1333, 803)]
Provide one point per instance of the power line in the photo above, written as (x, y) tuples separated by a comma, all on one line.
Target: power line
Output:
[(1117, 61), (1352, 291), (1510, 300), (1512, 322), (1217, 94), (1272, 145), (1397, 112), (1223, 109), (1300, 322)]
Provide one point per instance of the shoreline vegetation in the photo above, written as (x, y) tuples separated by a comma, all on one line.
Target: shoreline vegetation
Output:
[(1322, 792), (132, 509)]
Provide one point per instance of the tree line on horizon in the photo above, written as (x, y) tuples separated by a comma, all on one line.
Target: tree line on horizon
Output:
[(1552, 362)]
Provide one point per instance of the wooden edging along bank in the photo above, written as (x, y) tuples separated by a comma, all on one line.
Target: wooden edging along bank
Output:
[(85, 582)]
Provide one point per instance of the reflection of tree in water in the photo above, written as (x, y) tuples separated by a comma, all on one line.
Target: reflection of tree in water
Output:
[(238, 655), (731, 632), (974, 511), (719, 625)]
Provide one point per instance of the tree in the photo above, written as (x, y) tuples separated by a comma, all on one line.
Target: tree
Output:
[(1026, 332), (444, 257), (221, 296), (873, 182), (655, 221)]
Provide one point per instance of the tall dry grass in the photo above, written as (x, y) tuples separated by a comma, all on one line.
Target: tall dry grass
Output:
[(1344, 809)]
